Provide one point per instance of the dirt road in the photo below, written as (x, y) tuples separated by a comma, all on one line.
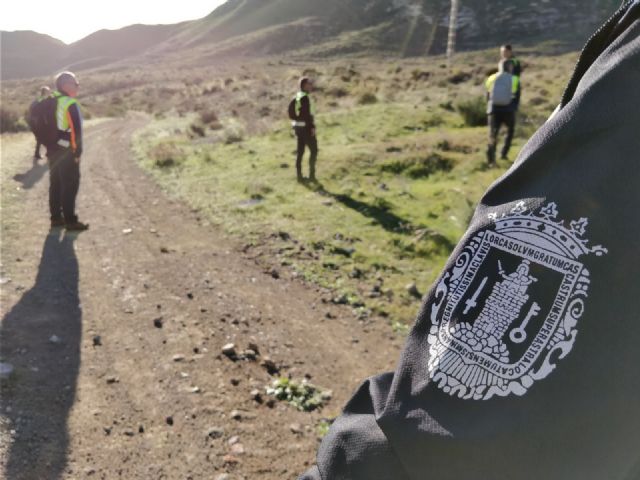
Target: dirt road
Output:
[(116, 335)]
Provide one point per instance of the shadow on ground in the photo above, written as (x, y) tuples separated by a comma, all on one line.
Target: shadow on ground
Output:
[(29, 178), (380, 216), (37, 398)]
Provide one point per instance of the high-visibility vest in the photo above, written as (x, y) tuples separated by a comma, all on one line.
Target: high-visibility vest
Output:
[(515, 82), (63, 119), (299, 98)]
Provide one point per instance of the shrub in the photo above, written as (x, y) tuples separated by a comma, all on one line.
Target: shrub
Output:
[(197, 129), (418, 75), (208, 117), (473, 112), (446, 146), (166, 155), (536, 101), (10, 121), (258, 191), (264, 111), (419, 167), (430, 165), (338, 92), (368, 99), (233, 135), (448, 106), (459, 77), (301, 395)]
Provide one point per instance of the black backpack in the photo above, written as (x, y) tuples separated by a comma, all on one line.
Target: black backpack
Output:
[(42, 120), (292, 110)]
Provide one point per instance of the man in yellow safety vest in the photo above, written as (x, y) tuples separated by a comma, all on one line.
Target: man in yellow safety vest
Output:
[(64, 155), (502, 93), (305, 129)]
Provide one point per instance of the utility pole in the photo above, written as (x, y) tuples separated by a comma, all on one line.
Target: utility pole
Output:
[(453, 23)]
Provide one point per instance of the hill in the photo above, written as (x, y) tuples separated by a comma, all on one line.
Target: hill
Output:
[(263, 27), (44, 54), (405, 27), (28, 54)]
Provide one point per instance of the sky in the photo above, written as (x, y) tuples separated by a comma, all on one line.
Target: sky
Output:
[(84, 17)]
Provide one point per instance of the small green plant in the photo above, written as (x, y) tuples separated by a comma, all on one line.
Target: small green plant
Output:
[(400, 328), (473, 112), (258, 191), (419, 167), (233, 134), (301, 395), (323, 426)]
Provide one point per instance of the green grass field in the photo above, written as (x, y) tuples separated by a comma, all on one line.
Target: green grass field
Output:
[(399, 175)]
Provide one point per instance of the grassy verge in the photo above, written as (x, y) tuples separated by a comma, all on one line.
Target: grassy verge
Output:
[(400, 175), (397, 188)]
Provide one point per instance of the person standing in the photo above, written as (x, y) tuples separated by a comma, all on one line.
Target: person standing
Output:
[(305, 129), (506, 53), (502, 90), (64, 155), (45, 92)]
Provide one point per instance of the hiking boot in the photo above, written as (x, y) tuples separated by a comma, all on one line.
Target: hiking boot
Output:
[(491, 155), (57, 222), (76, 226)]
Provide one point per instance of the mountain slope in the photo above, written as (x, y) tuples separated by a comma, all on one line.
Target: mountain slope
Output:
[(259, 27), (29, 54), (106, 46), (481, 22)]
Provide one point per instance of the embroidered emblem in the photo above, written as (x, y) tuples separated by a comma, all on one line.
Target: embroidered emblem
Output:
[(508, 310)]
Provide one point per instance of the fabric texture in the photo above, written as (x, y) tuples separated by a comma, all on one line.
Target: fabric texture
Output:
[(523, 361)]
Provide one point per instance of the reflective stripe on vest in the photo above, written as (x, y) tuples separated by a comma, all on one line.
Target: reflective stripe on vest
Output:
[(299, 98), (62, 109), (63, 120)]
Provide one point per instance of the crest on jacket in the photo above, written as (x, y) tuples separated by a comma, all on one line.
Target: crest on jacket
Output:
[(509, 308)]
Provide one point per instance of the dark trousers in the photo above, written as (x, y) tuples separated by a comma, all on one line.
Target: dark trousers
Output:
[(64, 182), (36, 154), (496, 120), (305, 139)]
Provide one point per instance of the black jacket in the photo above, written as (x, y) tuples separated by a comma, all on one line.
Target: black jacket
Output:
[(306, 114), (523, 362)]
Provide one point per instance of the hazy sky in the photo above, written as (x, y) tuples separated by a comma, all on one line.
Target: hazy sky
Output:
[(83, 17)]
